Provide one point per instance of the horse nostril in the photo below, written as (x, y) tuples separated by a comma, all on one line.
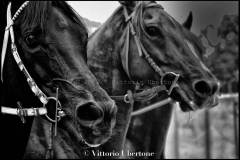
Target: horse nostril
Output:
[(89, 112), (203, 88)]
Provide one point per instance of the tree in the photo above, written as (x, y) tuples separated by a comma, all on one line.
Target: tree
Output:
[(223, 56)]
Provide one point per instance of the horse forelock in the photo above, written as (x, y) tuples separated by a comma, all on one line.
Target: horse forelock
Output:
[(137, 18), (72, 14), (37, 13), (34, 15)]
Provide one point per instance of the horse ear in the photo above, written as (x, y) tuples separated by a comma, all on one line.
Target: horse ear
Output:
[(130, 5), (188, 23)]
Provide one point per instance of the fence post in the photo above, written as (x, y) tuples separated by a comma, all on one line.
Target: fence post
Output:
[(176, 132), (207, 135), (235, 125), (236, 129)]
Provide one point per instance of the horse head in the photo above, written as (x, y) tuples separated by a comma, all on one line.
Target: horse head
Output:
[(164, 45), (139, 48), (51, 40)]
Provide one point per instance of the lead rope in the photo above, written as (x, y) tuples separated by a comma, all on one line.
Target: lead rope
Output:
[(49, 153)]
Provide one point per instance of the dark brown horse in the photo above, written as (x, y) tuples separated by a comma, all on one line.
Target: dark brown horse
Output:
[(51, 41), (131, 51)]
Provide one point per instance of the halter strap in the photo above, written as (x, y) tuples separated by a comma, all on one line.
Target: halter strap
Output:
[(10, 22), (24, 111), (142, 96), (5, 39)]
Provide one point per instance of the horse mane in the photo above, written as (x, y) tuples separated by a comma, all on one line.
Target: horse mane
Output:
[(138, 15), (138, 21), (37, 12), (115, 16)]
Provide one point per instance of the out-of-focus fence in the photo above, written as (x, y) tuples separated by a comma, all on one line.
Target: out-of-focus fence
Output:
[(207, 133)]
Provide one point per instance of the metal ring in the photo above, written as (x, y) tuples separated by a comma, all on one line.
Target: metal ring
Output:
[(126, 99), (174, 84), (176, 76), (59, 108), (168, 73)]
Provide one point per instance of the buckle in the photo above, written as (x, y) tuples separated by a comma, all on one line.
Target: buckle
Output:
[(169, 79), (20, 112), (58, 110), (126, 99)]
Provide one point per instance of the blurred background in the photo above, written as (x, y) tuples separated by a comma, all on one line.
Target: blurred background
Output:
[(212, 133)]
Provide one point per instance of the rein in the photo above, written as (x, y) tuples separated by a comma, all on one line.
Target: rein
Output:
[(147, 94)]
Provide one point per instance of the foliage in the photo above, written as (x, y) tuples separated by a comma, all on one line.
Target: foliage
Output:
[(222, 56)]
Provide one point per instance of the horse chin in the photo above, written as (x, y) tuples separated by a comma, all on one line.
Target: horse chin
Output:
[(185, 102), (92, 145), (87, 143), (188, 104), (77, 136), (84, 142)]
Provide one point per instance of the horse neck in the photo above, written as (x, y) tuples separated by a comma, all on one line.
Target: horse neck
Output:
[(104, 55), (40, 139), (104, 48)]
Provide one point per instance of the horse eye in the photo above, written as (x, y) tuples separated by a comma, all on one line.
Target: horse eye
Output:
[(154, 31), (31, 40)]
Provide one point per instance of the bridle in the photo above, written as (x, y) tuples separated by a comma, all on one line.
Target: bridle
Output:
[(24, 112), (148, 94)]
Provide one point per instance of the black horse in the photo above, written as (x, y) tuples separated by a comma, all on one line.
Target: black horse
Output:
[(133, 50), (51, 40)]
